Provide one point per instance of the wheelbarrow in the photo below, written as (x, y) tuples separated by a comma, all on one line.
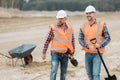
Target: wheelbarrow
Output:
[(113, 77), (23, 51)]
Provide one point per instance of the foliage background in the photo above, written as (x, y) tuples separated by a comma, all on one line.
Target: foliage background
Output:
[(71, 5)]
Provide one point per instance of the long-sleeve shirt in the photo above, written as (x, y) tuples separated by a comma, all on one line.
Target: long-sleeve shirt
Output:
[(50, 37), (105, 34)]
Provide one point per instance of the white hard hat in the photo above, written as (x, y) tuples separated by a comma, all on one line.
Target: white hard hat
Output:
[(61, 14), (90, 8)]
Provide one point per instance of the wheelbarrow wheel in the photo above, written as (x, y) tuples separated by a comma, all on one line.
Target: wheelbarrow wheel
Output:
[(28, 59)]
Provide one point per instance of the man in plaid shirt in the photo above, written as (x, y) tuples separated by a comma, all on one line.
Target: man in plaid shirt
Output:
[(61, 36), (93, 29)]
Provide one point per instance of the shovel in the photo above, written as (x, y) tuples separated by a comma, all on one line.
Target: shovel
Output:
[(73, 61), (113, 77)]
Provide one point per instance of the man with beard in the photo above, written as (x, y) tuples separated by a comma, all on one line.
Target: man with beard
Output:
[(97, 30), (61, 36)]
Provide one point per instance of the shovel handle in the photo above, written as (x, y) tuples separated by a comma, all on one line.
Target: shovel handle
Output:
[(93, 41), (103, 62)]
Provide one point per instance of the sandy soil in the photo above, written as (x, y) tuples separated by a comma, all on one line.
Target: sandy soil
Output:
[(17, 31)]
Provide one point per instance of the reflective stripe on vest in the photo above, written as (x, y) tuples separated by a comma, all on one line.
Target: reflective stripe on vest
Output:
[(57, 48), (97, 33), (57, 39)]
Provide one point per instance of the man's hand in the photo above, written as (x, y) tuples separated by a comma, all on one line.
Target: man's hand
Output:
[(97, 46), (43, 56), (70, 56), (93, 48)]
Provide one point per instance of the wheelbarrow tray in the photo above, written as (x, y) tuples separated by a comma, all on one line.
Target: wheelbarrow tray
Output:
[(22, 51)]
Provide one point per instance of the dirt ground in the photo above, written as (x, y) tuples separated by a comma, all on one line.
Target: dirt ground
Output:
[(33, 30)]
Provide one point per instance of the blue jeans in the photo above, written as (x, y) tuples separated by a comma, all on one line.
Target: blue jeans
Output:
[(93, 66), (57, 58)]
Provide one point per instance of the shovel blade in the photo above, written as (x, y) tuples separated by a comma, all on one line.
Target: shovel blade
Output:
[(113, 77), (74, 62)]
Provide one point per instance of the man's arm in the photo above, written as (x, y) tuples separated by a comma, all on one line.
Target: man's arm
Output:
[(81, 39), (49, 38), (106, 36)]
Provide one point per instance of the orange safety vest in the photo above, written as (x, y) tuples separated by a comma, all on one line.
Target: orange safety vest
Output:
[(62, 42), (93, 32)]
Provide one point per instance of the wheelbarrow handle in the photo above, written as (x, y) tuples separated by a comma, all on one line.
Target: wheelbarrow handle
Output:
[(93, 41), (5, 55)]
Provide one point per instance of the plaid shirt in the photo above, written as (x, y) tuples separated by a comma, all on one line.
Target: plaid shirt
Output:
[(50, 37), (105, 34)]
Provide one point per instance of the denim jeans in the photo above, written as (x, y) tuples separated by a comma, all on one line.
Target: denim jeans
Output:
[(93, 65), (56, 59)]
